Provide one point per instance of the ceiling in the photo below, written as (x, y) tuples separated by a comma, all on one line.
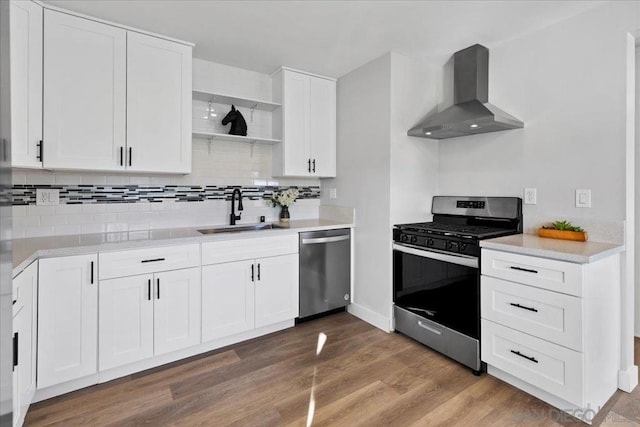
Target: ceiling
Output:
[(329, 37)]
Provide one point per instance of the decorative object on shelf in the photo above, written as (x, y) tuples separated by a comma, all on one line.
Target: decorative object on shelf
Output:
[(563, 230), (285, 199), (238, 124)]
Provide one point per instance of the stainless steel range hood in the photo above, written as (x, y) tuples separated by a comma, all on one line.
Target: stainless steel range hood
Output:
[(471, 112)]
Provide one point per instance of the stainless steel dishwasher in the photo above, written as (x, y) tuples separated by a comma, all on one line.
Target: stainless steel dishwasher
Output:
[(325, 271)]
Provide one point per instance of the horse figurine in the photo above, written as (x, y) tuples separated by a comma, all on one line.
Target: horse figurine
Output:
[(238, 124)]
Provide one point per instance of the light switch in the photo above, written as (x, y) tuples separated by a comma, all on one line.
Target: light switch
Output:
[(583, 198), (333, 193)]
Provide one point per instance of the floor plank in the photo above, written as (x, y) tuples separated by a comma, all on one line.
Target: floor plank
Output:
[(361, 376)]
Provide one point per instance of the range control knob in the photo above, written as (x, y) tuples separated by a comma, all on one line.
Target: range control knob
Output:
[(414, 239), (463, 246), (430, 242), (404, 237)]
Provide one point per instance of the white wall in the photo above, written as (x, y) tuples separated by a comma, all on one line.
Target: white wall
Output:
[(217, 163), (363, 167), (637, 194), (568, 83), (387, 176)]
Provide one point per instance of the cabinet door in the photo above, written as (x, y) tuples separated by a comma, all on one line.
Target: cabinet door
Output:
[(26, 83), (17, 332), (67, 319), (322, 126), (295, 126), (25, 325), (176, 310), (227, 299), (126, 320), (276, 289), (84, 93), (158, 105)]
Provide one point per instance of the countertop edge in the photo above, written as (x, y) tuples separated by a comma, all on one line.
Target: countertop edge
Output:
[(169, 241), (554, 254)]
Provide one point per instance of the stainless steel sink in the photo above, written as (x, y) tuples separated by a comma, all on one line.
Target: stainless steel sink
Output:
[(237, 228)]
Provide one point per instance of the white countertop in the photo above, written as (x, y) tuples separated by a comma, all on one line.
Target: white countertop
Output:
[(562, 250), (25, 251)]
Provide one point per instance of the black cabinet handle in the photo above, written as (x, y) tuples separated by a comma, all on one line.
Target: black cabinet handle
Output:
[(92, 272), (129, 156), (158, 286), (152, 260), (309, 167), (258, 271), (528, 270), (15, 350), (121, 156), (529, 358), (40, 151), (252, 275), (524, 307), (314, 165)]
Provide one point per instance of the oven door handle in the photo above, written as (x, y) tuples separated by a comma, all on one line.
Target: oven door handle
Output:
[(460, 260)]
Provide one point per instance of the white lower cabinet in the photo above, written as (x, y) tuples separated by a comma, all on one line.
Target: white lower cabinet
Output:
[(24, 334), (67, 319), (249, 284), (551, 327), (240, 296), (148, 315)]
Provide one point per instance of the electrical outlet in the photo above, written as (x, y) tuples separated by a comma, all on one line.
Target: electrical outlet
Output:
[(583, 198), (333, 193), (47, 197), (530, 196)]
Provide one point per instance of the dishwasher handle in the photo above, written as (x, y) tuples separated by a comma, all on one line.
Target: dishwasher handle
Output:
[(325, 239)]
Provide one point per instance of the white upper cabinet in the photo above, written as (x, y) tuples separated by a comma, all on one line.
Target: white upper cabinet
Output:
[(158, 105), (113, 99), (26, 84), (306, 124), (85, 86)]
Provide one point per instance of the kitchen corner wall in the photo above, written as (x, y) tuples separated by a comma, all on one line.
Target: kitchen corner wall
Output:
[(385, 175), (215, 163)]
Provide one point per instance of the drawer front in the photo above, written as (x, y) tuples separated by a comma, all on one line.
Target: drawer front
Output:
[(544, 314), (241, 249), (420, 329), (543, 273), (550, 367), (143, 261)]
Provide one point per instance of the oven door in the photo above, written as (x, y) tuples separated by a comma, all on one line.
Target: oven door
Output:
[(440, 287)]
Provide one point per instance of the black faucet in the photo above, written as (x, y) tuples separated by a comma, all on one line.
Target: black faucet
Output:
[(235, 217)]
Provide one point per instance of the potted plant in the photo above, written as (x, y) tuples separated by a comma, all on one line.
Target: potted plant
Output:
[(563, 230), (285, 199)]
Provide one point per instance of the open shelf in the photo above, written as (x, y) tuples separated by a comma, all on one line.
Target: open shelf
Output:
[(220, 98), (236, 138)]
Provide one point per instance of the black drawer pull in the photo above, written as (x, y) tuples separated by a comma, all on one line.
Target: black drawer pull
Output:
[(92, 272), (149, 290), (40, 156), (309, 167), (121, 156), (252, 273), (528, 270), (258, 271), (524, 307), (529, 358), (158, 282), (314, 165), (129, 156), (152, 260), (15, 350)]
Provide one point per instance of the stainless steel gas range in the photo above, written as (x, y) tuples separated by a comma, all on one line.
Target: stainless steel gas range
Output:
[(436, 275)]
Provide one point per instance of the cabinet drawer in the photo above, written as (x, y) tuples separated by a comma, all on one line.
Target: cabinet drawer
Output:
[(548, 315), (550, 367), (142, 261), (543, 273), (237, 250)]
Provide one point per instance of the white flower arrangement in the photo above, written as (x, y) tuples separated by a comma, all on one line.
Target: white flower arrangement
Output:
[(285, 198)]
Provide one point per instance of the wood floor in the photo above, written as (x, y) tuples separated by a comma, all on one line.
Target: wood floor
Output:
[(362, 376)]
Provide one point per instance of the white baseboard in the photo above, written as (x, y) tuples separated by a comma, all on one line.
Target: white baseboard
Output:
[(628, 380), (370, 316)]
